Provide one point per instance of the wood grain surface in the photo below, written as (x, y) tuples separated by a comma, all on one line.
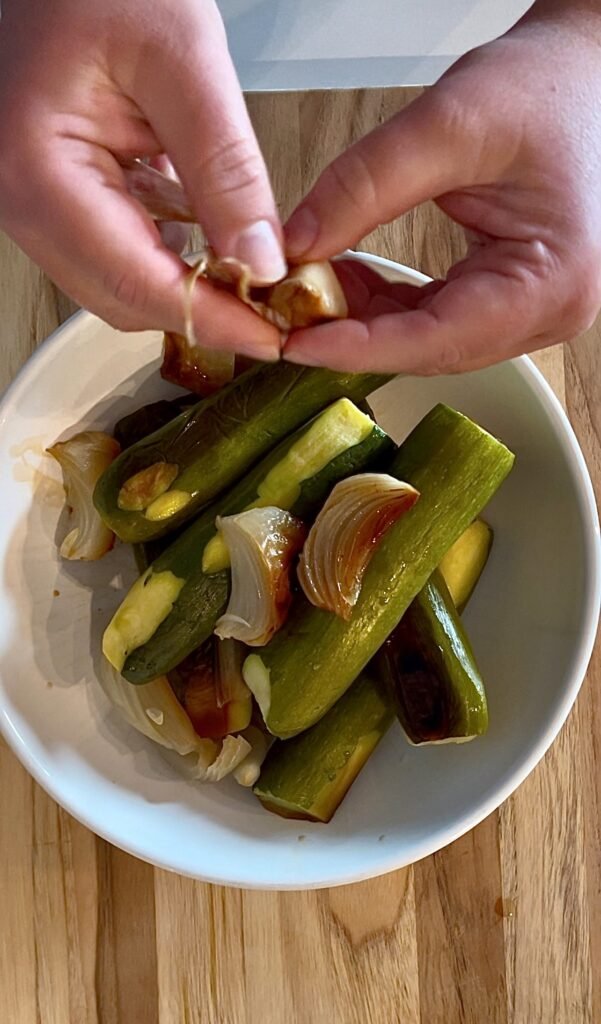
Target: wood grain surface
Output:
[(502, 927)]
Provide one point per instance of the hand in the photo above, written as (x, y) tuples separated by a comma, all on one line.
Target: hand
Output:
[(87, 85), (508, 143)]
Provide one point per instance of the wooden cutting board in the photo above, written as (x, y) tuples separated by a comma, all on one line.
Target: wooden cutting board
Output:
[(502, 927)]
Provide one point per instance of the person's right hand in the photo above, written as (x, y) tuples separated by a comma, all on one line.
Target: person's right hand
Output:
[(87, 85), (508, 144)]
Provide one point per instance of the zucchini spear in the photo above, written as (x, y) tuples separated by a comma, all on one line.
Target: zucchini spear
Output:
[(308, 777), (166, 478), (457, 467), (430, 673)]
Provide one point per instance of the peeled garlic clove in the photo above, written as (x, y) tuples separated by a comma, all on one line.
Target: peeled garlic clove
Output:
[(309, 294)]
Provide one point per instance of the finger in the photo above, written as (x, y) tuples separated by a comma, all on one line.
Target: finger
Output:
[(198, 112), (415, 156), (492, 310), (101, 247), (362, 284)]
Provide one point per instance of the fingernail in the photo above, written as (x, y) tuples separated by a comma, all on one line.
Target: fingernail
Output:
[(301, 231), (259, 247)]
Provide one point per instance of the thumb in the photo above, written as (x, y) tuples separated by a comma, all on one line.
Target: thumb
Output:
[(195, 106), (418, 155)]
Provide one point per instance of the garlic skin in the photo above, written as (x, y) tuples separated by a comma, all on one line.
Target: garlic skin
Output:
[(83, 459), (262, 543), (344, 537)]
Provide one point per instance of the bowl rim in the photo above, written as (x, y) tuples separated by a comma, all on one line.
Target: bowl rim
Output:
[(513, 778)]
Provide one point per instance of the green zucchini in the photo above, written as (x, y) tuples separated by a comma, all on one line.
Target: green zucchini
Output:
[(428, 668), (457, 467), (144, 421), (214, 444), (202, 598), (308, 776)]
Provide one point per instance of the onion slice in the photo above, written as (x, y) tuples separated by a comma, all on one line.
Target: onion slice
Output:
[(248, 771), (194, 367), (262, 543), (229, 681), (198, 686), (154, 710), (83, 459), (344, 537)]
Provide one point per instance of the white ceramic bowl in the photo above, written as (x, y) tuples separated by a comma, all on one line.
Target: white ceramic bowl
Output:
[(532, 623)]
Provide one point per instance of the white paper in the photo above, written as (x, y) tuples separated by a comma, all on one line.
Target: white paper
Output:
[(320, 44)]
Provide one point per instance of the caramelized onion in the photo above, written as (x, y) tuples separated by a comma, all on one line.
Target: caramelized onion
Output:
[(83, 459), (262, 543), (229, 682), (344, 537), (154, 710), (248, 771)]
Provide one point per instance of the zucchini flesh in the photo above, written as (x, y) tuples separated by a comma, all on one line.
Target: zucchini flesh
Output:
[(430, 673), (456, 466), (308, 776), (221, 437), (203, 597), (464, 562)]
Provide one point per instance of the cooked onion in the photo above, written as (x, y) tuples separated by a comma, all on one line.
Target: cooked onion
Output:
[(262, 543), (83, 459), (229, 681), (194, 367), (195, 682), (154, 710), (344, 536), (248, 771)]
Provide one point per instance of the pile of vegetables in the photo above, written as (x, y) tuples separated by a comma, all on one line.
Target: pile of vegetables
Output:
[(301, 577)]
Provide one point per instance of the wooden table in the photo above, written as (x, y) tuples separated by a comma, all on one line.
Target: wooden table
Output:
[(502, 927)]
